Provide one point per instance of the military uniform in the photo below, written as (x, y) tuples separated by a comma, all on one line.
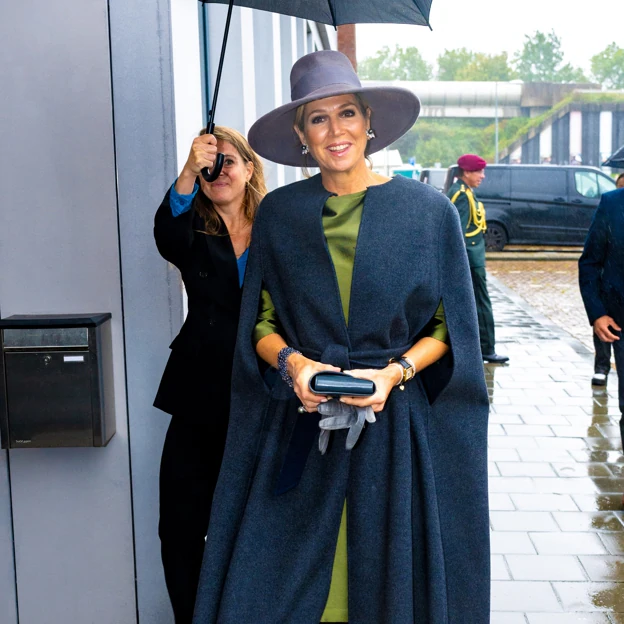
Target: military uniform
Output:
[(472, 216)]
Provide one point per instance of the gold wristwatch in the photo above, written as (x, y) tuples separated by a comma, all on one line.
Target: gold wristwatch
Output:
[(409, 369)]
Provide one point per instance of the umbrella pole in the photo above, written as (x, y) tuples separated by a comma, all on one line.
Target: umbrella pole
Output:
[(211, 176)]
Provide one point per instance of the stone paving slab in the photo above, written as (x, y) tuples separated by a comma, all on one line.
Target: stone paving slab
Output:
[(550, 287), (556, 475)]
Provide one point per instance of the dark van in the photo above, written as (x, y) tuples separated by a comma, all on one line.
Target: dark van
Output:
[(538, 204)]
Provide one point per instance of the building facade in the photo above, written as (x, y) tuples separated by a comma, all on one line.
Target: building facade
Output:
[(586, 130), (100, 103)]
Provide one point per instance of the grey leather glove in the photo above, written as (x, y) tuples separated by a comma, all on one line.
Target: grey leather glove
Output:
[(337, 415)]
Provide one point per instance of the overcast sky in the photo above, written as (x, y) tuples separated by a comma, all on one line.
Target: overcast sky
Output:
[(494, 26)]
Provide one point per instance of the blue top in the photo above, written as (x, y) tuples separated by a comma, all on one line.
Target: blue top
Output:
[(182, 203), (242, 265)]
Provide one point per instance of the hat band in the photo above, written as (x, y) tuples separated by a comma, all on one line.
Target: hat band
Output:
[(322, 77)]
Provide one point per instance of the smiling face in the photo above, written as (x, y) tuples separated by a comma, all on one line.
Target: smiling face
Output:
[(334, 129), (473, 178), (229, 188)]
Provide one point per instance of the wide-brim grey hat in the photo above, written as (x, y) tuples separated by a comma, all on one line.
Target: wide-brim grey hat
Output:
[(325, 74)]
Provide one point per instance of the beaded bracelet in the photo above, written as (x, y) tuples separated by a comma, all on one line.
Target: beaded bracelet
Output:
[(282, 358)]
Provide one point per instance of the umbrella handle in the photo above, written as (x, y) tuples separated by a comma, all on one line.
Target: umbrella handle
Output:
[(210, 175)]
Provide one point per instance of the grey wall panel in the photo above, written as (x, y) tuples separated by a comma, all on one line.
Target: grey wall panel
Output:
[(561, 140), (591, 138), (530, 151), (286, 42), (265, 78), (618, 130), (8, 605), (145, 150), (59, 253), (301, 38)]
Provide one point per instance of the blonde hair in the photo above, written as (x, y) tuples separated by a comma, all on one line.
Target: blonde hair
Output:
[(255, 189), (299, 124)]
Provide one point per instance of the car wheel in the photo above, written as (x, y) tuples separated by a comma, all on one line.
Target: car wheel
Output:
[(495, 237)]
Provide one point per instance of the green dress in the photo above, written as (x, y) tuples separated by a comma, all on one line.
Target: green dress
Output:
[(341, 223)]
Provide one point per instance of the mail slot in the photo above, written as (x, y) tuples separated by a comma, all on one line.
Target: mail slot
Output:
[(56, 381)]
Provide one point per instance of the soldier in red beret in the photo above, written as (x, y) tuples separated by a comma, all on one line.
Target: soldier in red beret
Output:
[(472, 214)]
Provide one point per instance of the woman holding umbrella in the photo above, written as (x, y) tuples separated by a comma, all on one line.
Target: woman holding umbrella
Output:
[(204, 230), (351, 271)]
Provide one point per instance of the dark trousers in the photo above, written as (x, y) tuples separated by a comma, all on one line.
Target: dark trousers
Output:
[(484, 310), (618, 352), (189, 469), (602, 360)]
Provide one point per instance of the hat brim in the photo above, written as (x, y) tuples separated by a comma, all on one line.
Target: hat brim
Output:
[(395, 111)]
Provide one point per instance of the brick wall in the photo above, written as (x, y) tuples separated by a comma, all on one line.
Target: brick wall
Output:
[(346, 42)]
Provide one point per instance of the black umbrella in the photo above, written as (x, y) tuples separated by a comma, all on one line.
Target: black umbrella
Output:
[(616, 160), (334, 12)]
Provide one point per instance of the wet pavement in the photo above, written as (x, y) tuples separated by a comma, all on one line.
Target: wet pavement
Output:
[(556, 476), (551, 286)]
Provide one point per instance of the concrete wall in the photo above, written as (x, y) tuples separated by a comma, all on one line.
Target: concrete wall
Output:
[(591, 138), (141, 57), (59, 253)]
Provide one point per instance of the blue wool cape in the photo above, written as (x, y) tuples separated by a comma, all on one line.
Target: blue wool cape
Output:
[(415, 483)]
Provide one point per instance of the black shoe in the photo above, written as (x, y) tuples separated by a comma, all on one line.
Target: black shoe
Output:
[(493, 358), (599, 379)]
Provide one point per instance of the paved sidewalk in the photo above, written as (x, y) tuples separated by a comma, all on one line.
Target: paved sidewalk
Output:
[(551, 287), (556, 476)]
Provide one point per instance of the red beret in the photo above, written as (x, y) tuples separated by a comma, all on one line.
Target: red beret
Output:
[(471, 162)]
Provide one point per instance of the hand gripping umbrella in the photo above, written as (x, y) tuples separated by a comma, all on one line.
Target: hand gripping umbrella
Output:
[(334, 12)]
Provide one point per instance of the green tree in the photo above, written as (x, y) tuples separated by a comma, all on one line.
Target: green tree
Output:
[(608, 67), (461, 64), (444, 140), (541, 60), (451, 62), (488, 67), (398, 64)]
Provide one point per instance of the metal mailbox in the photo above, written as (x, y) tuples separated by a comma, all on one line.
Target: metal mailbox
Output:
[(56, 381)]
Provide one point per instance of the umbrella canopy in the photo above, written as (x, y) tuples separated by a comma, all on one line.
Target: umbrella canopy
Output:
[(334, 12), (338, 12), (616, 160)]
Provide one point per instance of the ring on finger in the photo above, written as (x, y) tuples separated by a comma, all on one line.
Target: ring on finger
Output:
[(302, 410)]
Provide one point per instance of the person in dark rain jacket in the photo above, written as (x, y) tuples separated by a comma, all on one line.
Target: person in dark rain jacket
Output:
[(205, 232), (601, 279), (369, 510)]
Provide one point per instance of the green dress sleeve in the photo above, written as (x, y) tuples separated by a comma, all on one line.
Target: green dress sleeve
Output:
[(267, 322), (437, 326)]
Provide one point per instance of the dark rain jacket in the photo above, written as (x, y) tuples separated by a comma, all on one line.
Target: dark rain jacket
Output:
[(415, 483), (196, 383), (601, 267)]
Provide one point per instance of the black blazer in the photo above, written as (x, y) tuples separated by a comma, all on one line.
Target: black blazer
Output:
[(196, 382), (601, 267)]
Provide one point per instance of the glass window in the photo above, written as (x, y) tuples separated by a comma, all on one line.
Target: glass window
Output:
[(543, 184), (586, 183), (496, 183), (605, 184)]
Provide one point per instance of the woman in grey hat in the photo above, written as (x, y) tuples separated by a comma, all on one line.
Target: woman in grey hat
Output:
[(387, 522)]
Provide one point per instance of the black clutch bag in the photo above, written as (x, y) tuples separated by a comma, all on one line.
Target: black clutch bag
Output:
[(340, 384)]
